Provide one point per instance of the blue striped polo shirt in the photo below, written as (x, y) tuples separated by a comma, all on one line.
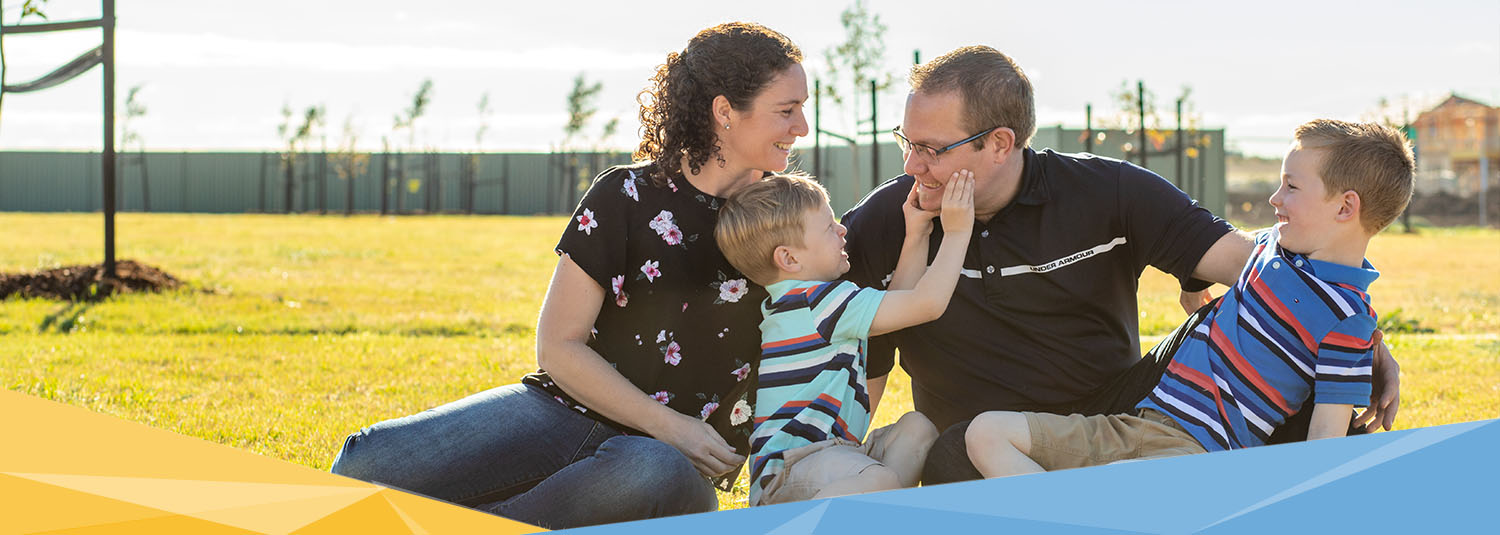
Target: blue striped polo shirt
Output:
[(1291, 329), (812, 370)]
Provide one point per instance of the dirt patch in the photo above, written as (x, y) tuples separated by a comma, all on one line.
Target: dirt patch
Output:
[(86, 283)]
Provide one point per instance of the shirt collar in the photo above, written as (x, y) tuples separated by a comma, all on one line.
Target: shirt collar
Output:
[(1033, 190), (1358, 277)]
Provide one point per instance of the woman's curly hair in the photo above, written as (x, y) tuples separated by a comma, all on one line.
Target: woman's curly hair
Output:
[(735, 59)]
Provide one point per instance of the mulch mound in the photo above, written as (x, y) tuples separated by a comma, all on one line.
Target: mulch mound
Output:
[(86, 283)]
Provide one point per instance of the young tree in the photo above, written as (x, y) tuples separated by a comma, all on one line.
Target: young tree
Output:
[(349, 162), (407, 120), (581, 108), (288, 134), (854, 64), (134, 110), (295, 138), (471, 170)]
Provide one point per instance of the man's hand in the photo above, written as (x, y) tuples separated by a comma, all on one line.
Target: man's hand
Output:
[(1192, 301), (1385, 393)]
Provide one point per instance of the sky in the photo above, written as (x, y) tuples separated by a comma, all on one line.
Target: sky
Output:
[(215, 75)]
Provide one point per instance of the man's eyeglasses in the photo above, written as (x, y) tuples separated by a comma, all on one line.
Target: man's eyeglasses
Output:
[(907, 146)]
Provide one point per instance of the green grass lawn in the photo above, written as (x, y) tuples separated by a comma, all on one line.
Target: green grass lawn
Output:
[(296, 330)]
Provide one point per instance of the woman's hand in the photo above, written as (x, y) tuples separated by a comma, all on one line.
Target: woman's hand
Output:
[(568, 313), (709, 453)]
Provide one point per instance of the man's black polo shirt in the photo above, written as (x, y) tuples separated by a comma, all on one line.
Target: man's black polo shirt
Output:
[(1045, 311)]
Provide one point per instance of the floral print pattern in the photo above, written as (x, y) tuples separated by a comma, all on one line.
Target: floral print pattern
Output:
[(586, 221), (676, 319)]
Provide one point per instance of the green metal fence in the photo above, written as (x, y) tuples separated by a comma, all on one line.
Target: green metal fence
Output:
[(511, 183)]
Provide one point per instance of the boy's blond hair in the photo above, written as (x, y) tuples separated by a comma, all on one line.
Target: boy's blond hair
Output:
[(762, 216), (1373, 160)]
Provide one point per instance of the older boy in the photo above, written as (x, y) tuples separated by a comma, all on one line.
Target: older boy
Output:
[(812, 408), (1296, 327)]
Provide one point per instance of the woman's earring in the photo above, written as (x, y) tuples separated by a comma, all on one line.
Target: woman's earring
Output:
[(726, 126)]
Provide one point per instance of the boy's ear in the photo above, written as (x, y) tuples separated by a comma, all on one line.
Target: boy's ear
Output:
[(785, 260), (1349, 205)]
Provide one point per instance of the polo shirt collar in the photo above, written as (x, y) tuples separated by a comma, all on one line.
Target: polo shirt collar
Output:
[(1358, 277), (1033, 190)]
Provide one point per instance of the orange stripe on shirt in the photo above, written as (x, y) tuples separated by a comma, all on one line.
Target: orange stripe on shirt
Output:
[(791, 341), (1280, 310), (1245, 369), (1344, 340)]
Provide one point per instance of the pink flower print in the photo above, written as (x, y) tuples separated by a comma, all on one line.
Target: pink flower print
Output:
[(672, 185), (707, 410), (618, 284), (662, 222), (662, 397), (673, 236), (661, 336), (732, 290), (649, 269), (586, 222), (630, 190), (684, 306), (673, 353), (741, 373)]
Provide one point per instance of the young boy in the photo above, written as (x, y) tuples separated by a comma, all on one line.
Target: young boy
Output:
[(812, 404), (1296, 328)]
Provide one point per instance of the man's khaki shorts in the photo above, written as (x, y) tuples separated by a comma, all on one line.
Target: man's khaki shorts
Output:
[(1075, 441), (813, 467)]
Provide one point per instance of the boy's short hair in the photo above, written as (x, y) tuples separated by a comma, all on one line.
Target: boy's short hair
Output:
[(994, 90), (1371, 159), (762, 216)]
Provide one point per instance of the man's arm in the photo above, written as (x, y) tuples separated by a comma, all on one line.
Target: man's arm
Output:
[(1385, 393)]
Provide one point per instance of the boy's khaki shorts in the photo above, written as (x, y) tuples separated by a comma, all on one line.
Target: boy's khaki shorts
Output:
[(811, 468), (1074, 441)]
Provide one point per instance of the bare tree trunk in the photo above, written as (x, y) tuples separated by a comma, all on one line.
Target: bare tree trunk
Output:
[(262, 182), (145, 183), (289, 164), (400, 181), (323, 183), (349, 192)]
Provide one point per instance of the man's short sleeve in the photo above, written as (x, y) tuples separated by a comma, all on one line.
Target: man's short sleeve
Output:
[(1171, 231), (596, 236), (1345, 358)]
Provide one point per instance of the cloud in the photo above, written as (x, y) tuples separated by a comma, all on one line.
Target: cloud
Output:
[(182, 50)]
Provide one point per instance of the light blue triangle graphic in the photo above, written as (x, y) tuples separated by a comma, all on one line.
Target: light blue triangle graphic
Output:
[(1438, 479), (803, 523), (1418, 439)]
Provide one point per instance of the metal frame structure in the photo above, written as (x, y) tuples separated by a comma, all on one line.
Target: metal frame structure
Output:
[(104, 54)]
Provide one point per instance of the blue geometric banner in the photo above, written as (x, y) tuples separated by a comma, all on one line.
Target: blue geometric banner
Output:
[(1429, 480)]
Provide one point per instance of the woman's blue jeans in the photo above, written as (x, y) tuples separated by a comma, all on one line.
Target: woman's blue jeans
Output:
[(516, 452)]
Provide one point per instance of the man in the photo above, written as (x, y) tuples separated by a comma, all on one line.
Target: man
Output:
[(1044, 317)]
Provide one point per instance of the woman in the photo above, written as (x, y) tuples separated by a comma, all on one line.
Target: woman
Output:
[(645, 328)]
